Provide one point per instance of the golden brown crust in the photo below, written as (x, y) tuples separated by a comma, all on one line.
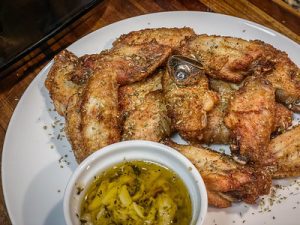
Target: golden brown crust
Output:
[(164, 36), (217, 200), (132, 95), (286, 79), (144, 111), (85, 68), (251, 117), (149, 121), (225, 179), (99, 110), (286, 149), (227, 58), (73, 127), (131, 63), (58, 81), (216, 131), (188, 105), (232, 59)]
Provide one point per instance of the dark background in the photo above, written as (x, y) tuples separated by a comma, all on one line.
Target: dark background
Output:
[(25, 23)]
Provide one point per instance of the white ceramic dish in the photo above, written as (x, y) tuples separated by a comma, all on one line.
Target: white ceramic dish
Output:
[(32, 177), (128, 151)]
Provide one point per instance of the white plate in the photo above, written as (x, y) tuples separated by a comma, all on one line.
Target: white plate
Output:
[(37, 163)]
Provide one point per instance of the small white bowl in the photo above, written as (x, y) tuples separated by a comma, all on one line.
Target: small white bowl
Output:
[(128, 151)]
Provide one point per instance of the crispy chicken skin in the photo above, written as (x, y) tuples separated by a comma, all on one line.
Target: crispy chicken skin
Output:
[(286, 149), (251, 118), (100, 117), (85, 67), (149, 121), (225, 179), (131, 63), (188, 105), (73, 127), (283, 118), (216, 131), (227, 58), (164, 36), (58, 81), (286, 79), (144, 111), (232, 59), (133, 95)]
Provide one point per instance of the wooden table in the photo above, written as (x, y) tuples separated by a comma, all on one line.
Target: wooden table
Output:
[(274, 14)]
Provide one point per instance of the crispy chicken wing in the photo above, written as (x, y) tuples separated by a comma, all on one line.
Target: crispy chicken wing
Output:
[(188, 105), (286, 149), (131, 63), (283, 118), (100, 117), (226, 180), (216, 131), (97, 119), (232, 59), (164, 36), (58, 81), (144, 111), (227, 58), (251, 118)]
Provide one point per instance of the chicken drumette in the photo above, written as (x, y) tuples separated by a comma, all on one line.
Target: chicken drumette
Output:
[(251, 118), (225, 179)]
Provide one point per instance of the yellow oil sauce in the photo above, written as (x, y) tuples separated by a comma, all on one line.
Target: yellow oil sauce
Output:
[(134, 193)]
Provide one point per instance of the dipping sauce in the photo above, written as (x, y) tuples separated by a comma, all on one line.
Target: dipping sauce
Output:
[(137, 192)]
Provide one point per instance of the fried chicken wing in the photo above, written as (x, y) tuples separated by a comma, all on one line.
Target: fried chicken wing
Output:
[(188, 105), (226, 180), (164, 36), (232, 59), (216, 131), (227, 58), (99, 76), (144, 111), (251, 118), (286, 150), (100, 117), (131, 63), (58, 81)]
